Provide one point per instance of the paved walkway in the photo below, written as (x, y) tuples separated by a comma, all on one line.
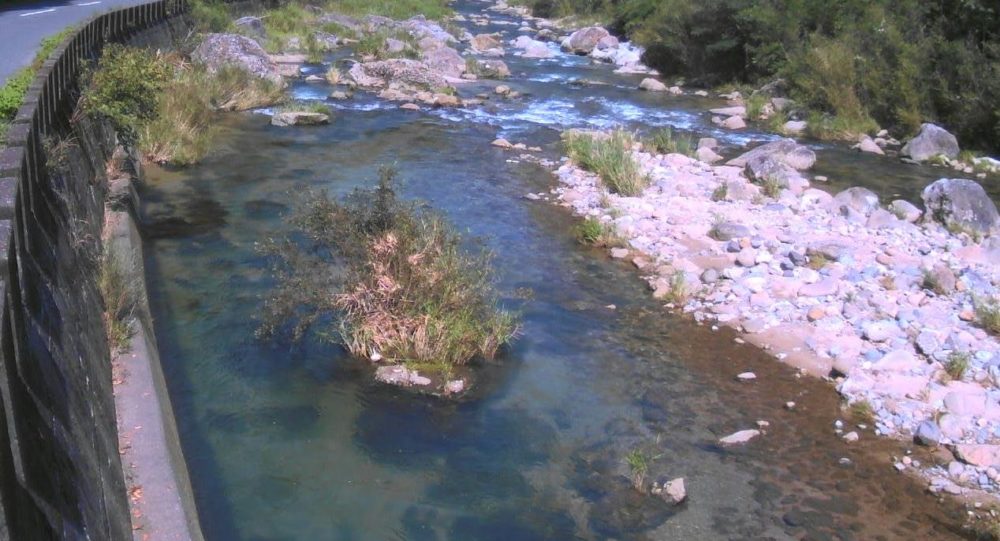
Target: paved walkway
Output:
[(24, 24)]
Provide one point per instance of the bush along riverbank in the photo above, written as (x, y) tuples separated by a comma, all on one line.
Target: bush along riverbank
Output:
[(897, 64)]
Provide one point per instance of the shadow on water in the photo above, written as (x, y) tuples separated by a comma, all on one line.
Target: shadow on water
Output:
[(296, 441)]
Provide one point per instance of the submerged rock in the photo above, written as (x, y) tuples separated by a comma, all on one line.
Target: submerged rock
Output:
[(742, 436), (932, 141), (299, 118), (397, 374)]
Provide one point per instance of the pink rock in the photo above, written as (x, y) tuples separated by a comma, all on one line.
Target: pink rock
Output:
[(822, 288), (978, 454), (737, 438), (899, 360), (965, 403)]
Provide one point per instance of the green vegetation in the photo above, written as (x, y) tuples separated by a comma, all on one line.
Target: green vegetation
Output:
[(388, 278), (931, 282), (13, 90), (893, 63), (957, 364), (597, 233), (638, 464), (165, 105), (771, 187), (665, 141), (211, 16), (396, 9), (119, 292), (720, 192), (124, 88), (818, 261), (677, 291), (988, 314), (376, 45), (610, 157), (862, 411), (306, 106)]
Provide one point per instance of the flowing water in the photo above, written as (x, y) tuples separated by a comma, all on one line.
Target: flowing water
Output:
[(294, 441)]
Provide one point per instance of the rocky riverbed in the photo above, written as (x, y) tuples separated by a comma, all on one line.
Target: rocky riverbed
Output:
[(878, 296)]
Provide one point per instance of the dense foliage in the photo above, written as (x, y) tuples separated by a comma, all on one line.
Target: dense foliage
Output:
[(897, 62), (164, 104), (390, 278)]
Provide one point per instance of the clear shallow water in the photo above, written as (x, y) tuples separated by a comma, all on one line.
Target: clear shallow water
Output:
[(295, 441)]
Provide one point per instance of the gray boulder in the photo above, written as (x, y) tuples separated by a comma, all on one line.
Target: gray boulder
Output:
[(961, 205), (856, 200), (904, 210), (493, 69), (931, 141), (763, 168), (652, 85), (445, 61), (796, 156), (219, 50), (585, 40), (254, 26), (402, 70), (299, 118), (928, 434)]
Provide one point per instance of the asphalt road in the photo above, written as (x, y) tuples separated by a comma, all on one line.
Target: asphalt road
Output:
[(24, 24)]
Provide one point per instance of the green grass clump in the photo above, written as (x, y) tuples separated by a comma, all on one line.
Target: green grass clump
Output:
[(720, 192), (862, 411), (988, 314), (14, 89), (957, 364), (665, 141), (755, 105), (638, 464), (610, 157), (211, 16), (677, 292), (771, 187), (119, 291), (395, 9), (594, 232), (392, 278)]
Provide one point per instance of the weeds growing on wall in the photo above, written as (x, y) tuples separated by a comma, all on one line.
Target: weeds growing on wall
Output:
[(386, 278), (119, 291)]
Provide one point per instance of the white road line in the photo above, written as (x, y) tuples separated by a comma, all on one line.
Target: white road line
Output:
[(88, 3), (38, 12)]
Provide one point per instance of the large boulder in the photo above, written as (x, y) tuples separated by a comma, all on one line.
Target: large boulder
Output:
[(493, 69), (537, 49), (931, 141), (419, 27), (652, 85), (445, 61), (856, 201), (763, 168), (796, 156), (961, 205), (485, 42), (585, 40), (403, 70), (219, 50)]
